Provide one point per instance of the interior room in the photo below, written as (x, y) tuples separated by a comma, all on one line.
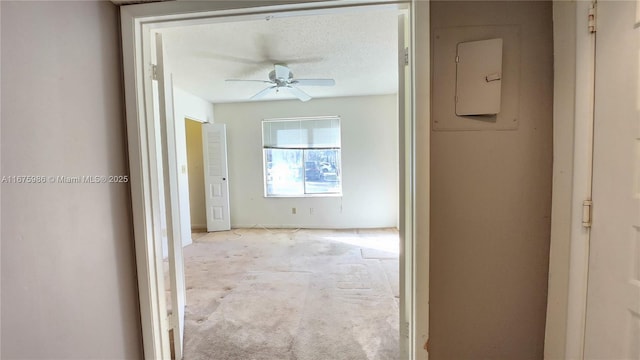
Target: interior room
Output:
[(302, 256)]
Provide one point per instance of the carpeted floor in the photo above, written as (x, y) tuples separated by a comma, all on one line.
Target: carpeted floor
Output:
[(258, 294)]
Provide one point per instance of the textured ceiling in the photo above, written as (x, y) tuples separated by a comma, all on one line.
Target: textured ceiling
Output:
[(358, 50)]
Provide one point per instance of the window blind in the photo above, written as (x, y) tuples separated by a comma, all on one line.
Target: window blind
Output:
[(316, 133)]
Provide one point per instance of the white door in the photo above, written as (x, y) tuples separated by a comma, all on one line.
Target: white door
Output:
[(171, 210), (613, 295), (214, 146)]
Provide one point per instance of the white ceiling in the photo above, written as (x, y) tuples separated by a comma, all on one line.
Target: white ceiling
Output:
[(358, 50)]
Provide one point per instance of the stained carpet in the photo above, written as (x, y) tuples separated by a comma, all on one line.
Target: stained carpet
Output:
[(285, 294)]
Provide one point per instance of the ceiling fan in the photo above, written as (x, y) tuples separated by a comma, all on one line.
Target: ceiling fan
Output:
[(281, 78)]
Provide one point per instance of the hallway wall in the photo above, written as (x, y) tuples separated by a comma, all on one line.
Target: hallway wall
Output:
[(491, 203), (68, 273)]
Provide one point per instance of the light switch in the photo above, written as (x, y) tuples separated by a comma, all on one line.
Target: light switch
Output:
[(479, 77)]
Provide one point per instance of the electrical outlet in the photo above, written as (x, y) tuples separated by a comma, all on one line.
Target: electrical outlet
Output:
[(311, 211), (293, 211)]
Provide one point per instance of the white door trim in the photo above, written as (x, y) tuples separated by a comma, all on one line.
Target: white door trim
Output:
[(582, 176), (138, 22), (573, 124)]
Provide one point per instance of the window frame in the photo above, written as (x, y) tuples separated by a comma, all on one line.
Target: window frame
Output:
[(304, 194)]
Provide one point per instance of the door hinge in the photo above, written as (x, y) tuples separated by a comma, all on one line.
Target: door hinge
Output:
[(171, 321), (406, 56), (457, 59), (427, 345), (592, 17), (154, 72), (587, 212)]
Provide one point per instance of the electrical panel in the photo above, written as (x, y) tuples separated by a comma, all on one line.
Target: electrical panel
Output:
[(478, 77)]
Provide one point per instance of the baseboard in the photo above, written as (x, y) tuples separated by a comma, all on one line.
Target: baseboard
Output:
[(307, 226), (198, 228)]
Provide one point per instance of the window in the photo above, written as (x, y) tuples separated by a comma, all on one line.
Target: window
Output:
[(302, 157)]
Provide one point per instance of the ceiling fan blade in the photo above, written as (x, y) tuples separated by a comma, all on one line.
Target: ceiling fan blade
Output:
[(314, 82), (261, 81), (307, 60), (303, 96), (282, 72), (262, 93), (224, 57)]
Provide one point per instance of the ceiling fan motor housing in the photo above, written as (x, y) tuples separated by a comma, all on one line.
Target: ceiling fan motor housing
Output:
[(280, 81)]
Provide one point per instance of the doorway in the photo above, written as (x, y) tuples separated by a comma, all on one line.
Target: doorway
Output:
[(363, 138), (149, 286), (195, 173)]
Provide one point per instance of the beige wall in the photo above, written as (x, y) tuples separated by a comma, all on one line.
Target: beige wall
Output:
[(196, 174), (68, 273), (491, 205)]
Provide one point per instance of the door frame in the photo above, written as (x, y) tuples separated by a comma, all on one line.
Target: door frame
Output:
[(138, 23), (573, 114)]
